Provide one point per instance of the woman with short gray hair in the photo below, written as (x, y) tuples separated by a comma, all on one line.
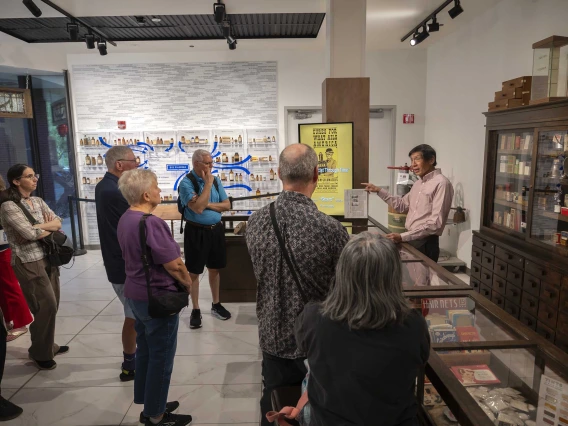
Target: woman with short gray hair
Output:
[(156, 338), (364, 344)]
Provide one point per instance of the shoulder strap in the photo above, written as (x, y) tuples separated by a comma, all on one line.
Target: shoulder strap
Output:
[(288, 413), (32, 219), (193, 181), (142, 234), (285, 252)]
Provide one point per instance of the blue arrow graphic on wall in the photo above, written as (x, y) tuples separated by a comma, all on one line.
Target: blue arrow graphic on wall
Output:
[(179, 146), (217, 154), (214, 146), (170, 148), (145, 144), (248, 188), (234, 168), (104, 143), (143, 164)]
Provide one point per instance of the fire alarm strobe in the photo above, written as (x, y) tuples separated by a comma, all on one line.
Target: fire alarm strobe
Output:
[(408, 118)]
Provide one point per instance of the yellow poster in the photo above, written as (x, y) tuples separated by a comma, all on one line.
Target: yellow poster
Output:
[(333, 143)]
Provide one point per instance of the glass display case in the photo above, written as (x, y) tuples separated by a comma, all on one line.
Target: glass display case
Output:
[(550, 70)]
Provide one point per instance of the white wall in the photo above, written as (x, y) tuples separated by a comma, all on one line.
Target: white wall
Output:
[(464, 71)]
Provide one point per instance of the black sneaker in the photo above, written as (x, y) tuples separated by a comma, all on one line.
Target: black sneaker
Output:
[(220, 312), (8, 411), (44, 365), (170, 407), (62, 350), (170, 419), (127, 376), (195, 319)]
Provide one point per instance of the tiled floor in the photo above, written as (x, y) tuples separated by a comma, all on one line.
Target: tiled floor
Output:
[(216, 375)]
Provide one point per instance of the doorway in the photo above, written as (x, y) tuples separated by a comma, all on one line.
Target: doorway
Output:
[(382, 132)]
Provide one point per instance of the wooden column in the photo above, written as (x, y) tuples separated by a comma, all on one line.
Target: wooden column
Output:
[(348, 99)]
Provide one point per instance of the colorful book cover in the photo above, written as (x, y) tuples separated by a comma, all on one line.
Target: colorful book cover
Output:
[(517, 142), (468, 334), (444, 336), (436, 319), (441, 305), (431, 396), (473, 375), (460, 318)]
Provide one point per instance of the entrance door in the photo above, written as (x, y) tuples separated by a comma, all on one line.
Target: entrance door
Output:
[(381, 150)]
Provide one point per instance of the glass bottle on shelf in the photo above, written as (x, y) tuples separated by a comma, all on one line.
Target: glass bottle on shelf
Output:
[(271, 174), (231, 176), (237, 158), (273, 138), (81, 142), (99, 160), (240, 139), (137, 160), (251, 177), (87, 160), (84, 180), (216, 139), (258, 191), (88, 181), (225, 158)]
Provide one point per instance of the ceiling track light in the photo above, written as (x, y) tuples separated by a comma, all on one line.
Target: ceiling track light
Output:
[(90, 41), (232, 44), (73, 30), (226, 26), (102, 46), (219, 11), (419, 36), (456, 10), (32, 7)]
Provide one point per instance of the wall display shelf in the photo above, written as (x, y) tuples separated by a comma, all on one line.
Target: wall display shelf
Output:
[(519, 255), (246, 161)]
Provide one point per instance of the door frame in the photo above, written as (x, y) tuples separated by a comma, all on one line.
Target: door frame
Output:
[(372, 108)]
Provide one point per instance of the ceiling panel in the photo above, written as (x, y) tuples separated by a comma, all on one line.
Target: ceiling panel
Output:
[(170, 27)]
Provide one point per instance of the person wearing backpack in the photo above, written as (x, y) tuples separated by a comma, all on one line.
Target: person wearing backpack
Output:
[(202, 200)]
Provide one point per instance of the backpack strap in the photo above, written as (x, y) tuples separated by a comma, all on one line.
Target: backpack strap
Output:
[(290, 413), (195, 184)]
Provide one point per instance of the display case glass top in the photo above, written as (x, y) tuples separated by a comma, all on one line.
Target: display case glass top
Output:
[(512, 180), (550, 200)]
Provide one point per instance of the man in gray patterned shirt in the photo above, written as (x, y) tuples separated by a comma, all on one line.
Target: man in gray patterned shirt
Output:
[(314, 242)]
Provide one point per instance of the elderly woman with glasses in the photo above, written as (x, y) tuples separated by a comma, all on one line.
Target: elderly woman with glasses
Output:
[(156, 338), (364, 344), (38, 279)]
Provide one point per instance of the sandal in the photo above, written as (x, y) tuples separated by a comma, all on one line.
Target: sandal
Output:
[(15, 333)]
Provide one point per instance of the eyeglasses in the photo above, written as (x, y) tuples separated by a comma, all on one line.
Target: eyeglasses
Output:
[(207, 163), (36, 176)]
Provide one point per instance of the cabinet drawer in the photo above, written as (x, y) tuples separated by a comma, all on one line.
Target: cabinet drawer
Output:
[(512, 309), (498, 299), (515, 276), (474, 284), (500, 268), (499, 284), (529, 303), (562, 322), (486, 277), (475, 270), (564, 295), (561, 341), (485, 291), (487, 260), (547, 315), (485, 245), (476, 254), (511, 258), (545, 331), (550, 295), (531, 285), (513, 293), (527, 319), (542, 273)]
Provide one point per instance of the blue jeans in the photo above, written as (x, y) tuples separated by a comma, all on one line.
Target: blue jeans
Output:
[(156, 341)]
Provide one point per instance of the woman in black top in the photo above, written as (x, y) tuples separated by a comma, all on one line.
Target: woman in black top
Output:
[(363, 343)]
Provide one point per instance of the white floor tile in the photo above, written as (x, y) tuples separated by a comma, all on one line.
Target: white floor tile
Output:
[(71, 325), (17, 373), (89, 283), (8, 393), (202, 342), (81, 307), (114, 308), (216, 370), (18, 349), (104, 324), (72, 406), (77, 293), (226, 404), (96, 345), (93, 273)]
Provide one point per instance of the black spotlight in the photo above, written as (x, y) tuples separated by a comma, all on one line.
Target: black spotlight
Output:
[(456, 10), (219, 11), (419, 37), (73, 30), (140, 20), (102, 46), (32, 8), (90, 41), (434, 26), (226, 29), (232, 44)]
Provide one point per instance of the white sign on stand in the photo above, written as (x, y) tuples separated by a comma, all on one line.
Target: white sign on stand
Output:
[(356, 204)]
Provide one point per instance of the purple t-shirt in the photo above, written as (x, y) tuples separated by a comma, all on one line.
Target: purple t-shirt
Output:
[(162, 248)]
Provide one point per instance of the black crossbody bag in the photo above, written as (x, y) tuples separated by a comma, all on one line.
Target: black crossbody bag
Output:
[(58, 247), (285, 253), (169, 303)]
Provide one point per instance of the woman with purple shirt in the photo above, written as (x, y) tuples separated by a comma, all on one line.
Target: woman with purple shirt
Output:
[(156, 338)]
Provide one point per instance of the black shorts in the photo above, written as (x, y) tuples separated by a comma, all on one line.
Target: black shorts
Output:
[(204, 247)]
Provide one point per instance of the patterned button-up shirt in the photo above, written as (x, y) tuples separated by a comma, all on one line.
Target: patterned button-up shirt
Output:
[(427, 204), (314, 241), (23, 238)]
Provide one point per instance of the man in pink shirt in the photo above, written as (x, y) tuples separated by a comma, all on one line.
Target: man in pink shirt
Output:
[(427, 204)]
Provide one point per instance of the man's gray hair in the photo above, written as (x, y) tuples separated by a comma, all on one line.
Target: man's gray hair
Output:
[(134, 183), (297, 165), (367, 292), (114, 154), (199, 155)]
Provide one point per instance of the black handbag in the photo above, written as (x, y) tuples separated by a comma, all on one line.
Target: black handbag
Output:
[(58, 247), (169, 303)]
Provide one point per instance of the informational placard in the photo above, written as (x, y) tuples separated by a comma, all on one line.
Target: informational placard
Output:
[(552, 402), (356, 205), (333, 143)]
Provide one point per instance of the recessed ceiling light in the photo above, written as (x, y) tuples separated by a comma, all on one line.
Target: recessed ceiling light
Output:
[(156, 20)]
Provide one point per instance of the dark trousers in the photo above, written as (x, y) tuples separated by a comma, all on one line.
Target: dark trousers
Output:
[(3, 335), (278, 372), (430, 246)]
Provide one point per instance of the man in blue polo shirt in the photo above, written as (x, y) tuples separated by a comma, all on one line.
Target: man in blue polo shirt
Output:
[(111, 205), (204, 239)]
